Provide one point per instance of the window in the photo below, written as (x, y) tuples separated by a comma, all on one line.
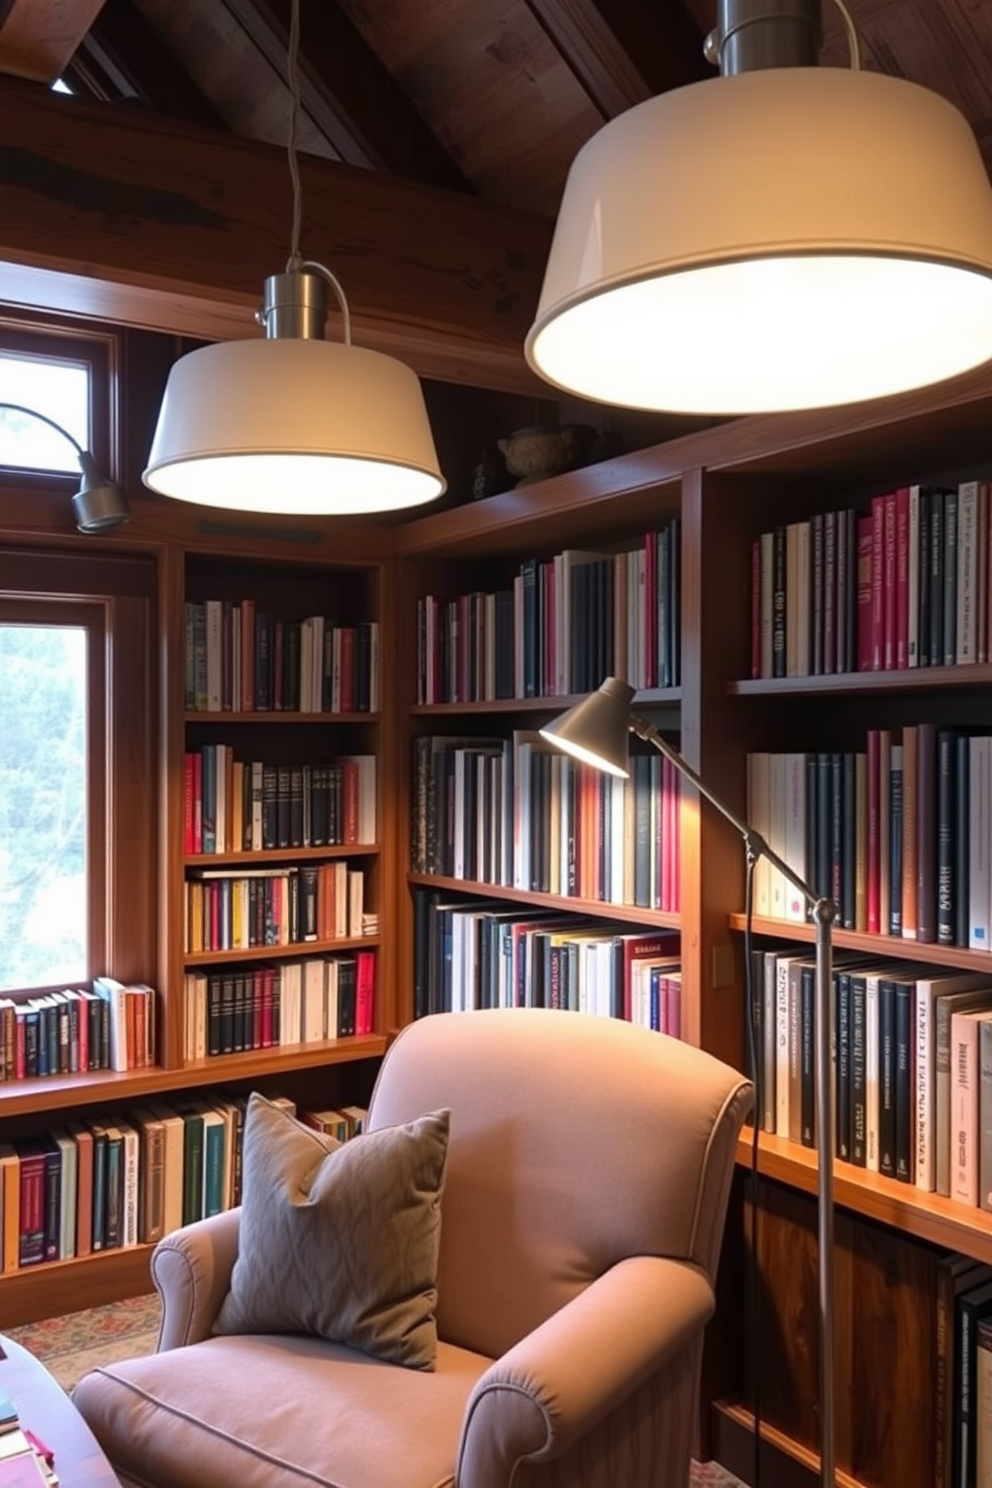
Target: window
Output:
[(52, 758), (56, 389), (78, 852)]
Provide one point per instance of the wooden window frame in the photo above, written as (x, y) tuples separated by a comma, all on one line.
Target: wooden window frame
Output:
[(115, 596)]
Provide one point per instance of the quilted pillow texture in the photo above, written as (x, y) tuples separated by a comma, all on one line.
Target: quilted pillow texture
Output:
[(340, 1240)]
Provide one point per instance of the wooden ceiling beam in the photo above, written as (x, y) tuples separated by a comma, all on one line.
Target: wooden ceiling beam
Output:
[(122, 57), (146, 221), (347, 92), (599, 40), (38, 37)]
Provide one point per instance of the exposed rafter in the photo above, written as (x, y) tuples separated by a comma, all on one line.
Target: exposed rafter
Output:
[(346, 91), (37, 37), (600, 40), (134, 218), (122, 57)]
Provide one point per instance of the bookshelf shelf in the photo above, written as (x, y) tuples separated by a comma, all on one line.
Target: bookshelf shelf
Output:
[(928, 1216), (594, 907), (733, 1432), (647, 697), (28, 1097), (295, 949), (891, 947), (280, 855), (905, 680), (276, 715), (106, 1276)]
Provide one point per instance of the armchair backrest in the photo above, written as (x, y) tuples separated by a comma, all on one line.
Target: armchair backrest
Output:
[(575, 1141)]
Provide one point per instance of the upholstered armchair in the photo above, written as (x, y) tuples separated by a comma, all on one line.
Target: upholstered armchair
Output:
[(587, 1176)]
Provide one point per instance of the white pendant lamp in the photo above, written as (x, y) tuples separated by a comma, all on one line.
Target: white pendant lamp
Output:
[(294, 424), (779, 237)]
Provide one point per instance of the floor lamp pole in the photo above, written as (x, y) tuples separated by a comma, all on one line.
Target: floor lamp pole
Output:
[(824, 912)]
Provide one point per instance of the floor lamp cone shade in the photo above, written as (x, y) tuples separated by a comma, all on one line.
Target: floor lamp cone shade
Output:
[(596, 730), (296, 426), (780, 239)]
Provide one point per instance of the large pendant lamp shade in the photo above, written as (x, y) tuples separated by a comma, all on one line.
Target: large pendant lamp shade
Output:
[(785, 238), (297, 426)]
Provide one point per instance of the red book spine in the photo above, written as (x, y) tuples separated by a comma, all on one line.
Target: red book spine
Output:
[(877, 628), (756, 608), (348, 669), (32, 1211), (889, 582), (673, 1006), (189, 787), (902, 577), (874, 838), (364, 991), (866, 531)]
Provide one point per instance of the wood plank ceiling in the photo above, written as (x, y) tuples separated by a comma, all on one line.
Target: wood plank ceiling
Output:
[(489, 96)]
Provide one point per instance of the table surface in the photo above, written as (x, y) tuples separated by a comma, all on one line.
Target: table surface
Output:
[(45, 1408)]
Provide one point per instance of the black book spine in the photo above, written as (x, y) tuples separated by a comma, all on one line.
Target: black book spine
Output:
[(886, 1078), (807, 1029), (850, 838), (836, 889), (847, 622), (946, 848), (842, 983), (903, 1076), (213, 1014), (824, 832)]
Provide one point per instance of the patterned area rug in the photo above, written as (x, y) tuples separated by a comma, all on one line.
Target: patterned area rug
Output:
[(69, 1346)]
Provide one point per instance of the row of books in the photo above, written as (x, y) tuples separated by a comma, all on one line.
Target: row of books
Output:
[(470, 954), (899, 834), (912, 1065), (114, 1180), (962, 1415), (905, 584), (281, 1005), (519, 813), (564, 624), (107, 1026), (242, 908), (233, 805), (240, 659)]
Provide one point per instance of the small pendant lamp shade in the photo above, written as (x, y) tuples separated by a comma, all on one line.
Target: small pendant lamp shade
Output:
[(297, 426), (786, 238)]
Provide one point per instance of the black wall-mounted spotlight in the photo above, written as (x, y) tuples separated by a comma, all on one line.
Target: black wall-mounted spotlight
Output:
[(99, 504)]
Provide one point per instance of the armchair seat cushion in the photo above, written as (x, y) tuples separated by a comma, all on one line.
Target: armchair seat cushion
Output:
[(266, 1410)]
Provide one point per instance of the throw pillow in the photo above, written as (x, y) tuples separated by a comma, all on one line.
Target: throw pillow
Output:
[(340, 1239)]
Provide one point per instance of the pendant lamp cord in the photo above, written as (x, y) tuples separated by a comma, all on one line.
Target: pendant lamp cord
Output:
[(296, 263), (853, 45)]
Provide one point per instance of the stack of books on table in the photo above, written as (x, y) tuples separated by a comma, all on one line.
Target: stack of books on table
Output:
[(24, 1461)]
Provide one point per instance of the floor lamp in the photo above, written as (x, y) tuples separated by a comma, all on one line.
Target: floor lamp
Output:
[(595, 731)]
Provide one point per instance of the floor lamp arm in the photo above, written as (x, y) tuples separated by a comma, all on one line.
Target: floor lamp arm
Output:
[(824, 914)]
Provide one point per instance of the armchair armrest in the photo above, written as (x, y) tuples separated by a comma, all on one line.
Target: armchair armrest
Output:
[(555, 1384), (191, 1269)]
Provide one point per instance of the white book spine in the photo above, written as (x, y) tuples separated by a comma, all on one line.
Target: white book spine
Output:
[(777, 789), (782, 1046), (795, 834), (923, 1103)]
